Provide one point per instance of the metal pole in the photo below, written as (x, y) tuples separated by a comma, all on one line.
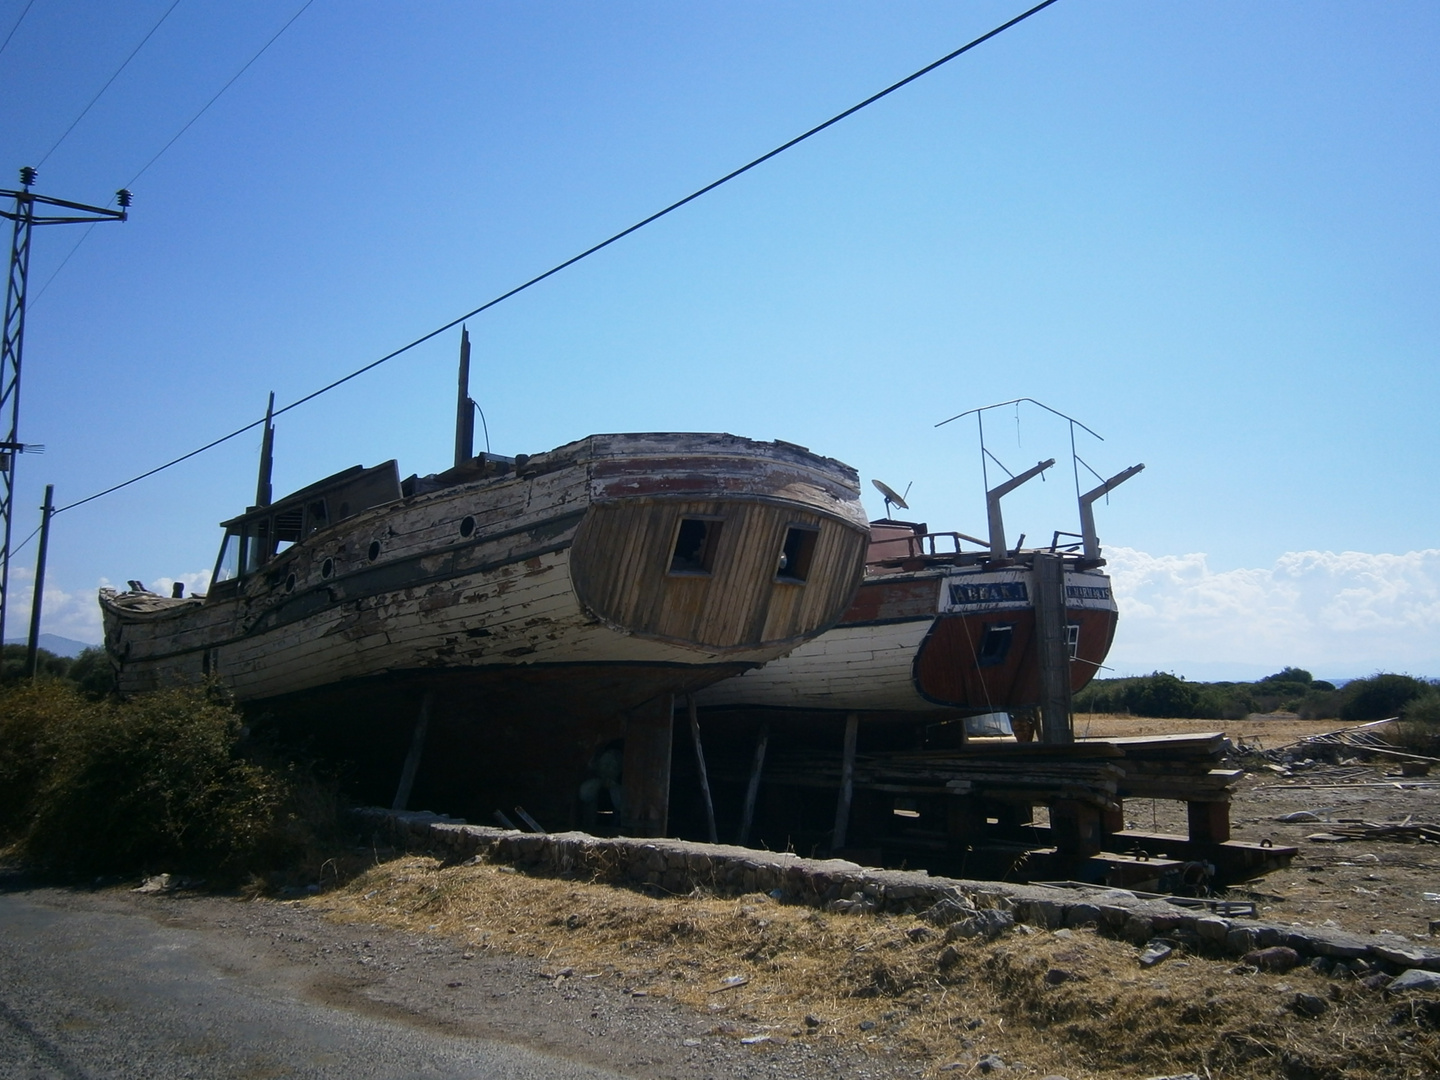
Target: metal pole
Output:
[(12, 340), (32, 651), (11, 348)]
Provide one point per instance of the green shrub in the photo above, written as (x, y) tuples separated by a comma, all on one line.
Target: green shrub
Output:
[(161, 782), (1424, 709), (13, 666), (1378, 697), (1164, 695), (92, 672)]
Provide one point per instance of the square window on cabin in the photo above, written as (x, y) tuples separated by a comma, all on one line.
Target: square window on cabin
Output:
[(696, 542), (995, 644), (1072, 638), (797, 553)]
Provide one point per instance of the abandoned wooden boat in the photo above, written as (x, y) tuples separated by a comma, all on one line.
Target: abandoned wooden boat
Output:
[(530, 611), (935, 634)]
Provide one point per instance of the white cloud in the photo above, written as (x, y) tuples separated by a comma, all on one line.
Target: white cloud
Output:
[(1339, 614), (74, 615)]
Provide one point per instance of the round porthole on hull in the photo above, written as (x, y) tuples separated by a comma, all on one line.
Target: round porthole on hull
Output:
[(374, 550), (327, 568), (467, 526)]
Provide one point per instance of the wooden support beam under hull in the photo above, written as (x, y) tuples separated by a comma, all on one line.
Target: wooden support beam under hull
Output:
[(649, 732)]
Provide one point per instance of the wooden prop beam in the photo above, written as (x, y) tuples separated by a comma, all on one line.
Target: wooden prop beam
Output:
[(646, 773)]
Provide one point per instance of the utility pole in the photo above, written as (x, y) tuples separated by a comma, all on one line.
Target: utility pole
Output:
[(32, 648), (29, 210)]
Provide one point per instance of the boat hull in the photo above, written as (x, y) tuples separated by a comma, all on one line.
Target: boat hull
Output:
[(914, 645), (537, 612)]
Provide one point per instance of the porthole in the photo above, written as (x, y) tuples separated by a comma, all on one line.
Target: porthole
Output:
[(374, 550), (467, 526), (327, 568), (290, 583)]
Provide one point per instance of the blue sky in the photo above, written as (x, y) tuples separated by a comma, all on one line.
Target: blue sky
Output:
[(1208, 231)]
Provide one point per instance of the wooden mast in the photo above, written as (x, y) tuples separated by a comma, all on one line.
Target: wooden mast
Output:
[(464, 407)]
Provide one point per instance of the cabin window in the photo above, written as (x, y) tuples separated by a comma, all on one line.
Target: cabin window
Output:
[(1072, 638), (286, 529), (227, 566), (316, 516), (696, 542), (796, 555), (256, 546), (995, 644)]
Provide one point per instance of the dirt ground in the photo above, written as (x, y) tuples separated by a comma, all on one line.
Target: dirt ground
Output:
[(1360, 885), (882, 989)]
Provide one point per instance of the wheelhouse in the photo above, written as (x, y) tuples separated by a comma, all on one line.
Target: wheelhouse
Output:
[(263, 532)]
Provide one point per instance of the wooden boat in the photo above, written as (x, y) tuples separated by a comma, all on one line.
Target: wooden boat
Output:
[(937, 634), (934, 636), (529, 611)]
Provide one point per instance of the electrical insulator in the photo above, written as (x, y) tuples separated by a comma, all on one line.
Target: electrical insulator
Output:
[(123, 197), (27, 175)]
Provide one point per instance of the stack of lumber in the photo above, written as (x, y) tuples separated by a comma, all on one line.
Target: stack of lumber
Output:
[(1014, 771), (1181, 767), (1097, 771), (1404, 831)]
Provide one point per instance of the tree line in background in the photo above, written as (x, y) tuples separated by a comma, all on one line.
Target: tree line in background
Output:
[(90, 671), (1295, 690)]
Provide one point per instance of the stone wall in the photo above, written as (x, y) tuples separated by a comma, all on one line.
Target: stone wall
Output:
[(973, 907)]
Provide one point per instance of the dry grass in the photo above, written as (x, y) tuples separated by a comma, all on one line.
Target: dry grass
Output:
[(812, 975), (1272, 730)]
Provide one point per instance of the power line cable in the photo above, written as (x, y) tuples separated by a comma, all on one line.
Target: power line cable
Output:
[(206, 107), (100, 93), (21, 19), (576, 258), (21, 546), (86, 234)]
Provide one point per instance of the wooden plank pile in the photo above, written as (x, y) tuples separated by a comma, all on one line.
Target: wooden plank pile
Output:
[(1017, 772), (1403, 832), (1181, 767), (1095, 771)]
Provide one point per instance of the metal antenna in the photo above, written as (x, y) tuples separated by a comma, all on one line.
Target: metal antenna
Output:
[(28, 211)]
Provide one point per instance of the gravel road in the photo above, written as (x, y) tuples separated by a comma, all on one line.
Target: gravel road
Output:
[(115, 984)]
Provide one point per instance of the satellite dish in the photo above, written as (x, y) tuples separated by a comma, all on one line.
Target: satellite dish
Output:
[(891, 496)]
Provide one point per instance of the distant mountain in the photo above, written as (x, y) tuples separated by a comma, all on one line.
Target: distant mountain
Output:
[(60, 646)]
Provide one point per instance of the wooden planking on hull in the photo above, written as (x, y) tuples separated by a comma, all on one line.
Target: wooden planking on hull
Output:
[(544, 586)]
